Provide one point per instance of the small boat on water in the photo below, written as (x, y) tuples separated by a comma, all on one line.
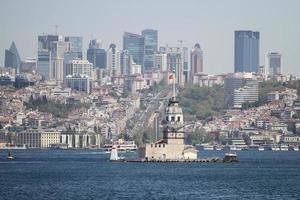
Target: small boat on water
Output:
[(261, 148), (284, 147), (230, 157), (295, 148), (275, 148), (9, 155), (218, 148)]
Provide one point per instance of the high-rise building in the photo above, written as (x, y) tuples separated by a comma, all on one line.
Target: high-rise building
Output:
[(79, 67), (175, 62), (240, 88), (75, 45), (273, 63), (44, 54), (96, 55), (151, 45), (113, 61), (196, 61), (246, 51), (12, 57), (185, 59), (135, 44), (58, 50), (126, 62), (160, 61)]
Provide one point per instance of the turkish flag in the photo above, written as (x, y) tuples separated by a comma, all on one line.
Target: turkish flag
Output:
[(171, 76)]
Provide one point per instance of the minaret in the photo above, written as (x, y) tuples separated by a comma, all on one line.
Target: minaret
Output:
[(174, 128)]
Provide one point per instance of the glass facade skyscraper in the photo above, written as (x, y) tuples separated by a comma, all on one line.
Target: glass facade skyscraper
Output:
[(44, 54), (96, 55), (135, 44), (12, 57), (151, 45), (75, 45), (246, 51)]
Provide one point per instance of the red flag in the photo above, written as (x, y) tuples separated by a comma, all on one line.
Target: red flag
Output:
[(171, 76)]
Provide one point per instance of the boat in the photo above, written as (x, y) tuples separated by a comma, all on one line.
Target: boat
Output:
[(13, 147), (233, 148), (218, 148), (261, 148), (9, 155), (208, 147), (127, 146), (230, 157), (295, 148), (284, 147), (114, 155), (275, 148)]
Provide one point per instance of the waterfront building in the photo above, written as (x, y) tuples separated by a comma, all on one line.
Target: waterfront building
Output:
[(273, 63), (196, 61), (44, 54), (240, 88), (12, 57), (80, 140), (75, 45), (79, 82), (135, 44), (151, 45), (246, 51), (113, 61), (96, 55), (79, 67), (38, 138)]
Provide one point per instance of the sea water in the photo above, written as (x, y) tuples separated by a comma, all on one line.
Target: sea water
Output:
[(88, 174)]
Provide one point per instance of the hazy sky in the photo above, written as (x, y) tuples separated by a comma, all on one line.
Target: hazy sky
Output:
[(208, 22)]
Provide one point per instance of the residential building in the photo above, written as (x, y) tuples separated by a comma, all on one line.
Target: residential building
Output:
[(246, 51)]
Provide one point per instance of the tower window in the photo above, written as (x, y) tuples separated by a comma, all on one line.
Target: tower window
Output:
[(172, 118), (178, 119), (167, 118)]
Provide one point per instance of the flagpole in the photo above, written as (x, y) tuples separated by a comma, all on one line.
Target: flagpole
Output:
[(174, 91)]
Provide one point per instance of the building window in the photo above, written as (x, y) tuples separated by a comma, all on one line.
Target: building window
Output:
[(173, 119), (178, 119)]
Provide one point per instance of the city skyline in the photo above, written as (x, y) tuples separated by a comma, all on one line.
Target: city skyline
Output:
[(200, 22)]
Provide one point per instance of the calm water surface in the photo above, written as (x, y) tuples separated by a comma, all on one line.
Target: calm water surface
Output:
[(87, 174)]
